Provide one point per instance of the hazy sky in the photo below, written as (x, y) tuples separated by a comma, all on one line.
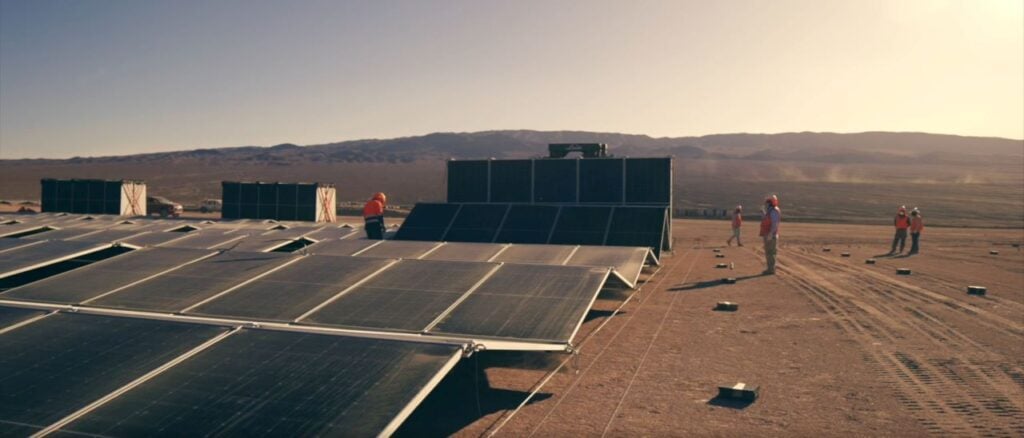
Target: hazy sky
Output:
[(91, 77)]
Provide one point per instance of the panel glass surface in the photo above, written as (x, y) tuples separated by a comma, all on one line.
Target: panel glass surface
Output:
[(427, 222), (293, 290), (468, 252), (601, 180), (61, 234), (637, 226), (107, 236), (467, 181), (92, 280), (345, 247), (264, 383), (649, 180), (55, 366), (511, 180), (153, 238), (203, 239), (181, 288), (6, 244), (13, 315), (536, 254), (554, 180), (528, 302), (626, 262), (399, 249), (42, 253), (476, 223), (528, 224), (408, 296), (582, 225)]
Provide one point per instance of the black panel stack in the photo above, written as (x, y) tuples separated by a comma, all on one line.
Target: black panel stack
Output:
[(94, 196), (313, 202)]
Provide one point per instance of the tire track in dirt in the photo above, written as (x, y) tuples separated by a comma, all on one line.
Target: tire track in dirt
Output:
[(947, 394)]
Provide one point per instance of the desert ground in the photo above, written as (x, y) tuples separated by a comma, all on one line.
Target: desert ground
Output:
[(838, 347)]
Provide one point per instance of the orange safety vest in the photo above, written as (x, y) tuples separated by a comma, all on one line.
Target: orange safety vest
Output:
[(737, 220), (766, 222), (373, 208), (902, 222), (916, 224)]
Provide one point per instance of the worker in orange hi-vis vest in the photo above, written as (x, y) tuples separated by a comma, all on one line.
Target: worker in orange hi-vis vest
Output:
[(770, 221), (916, 226), (373, 216), (902, 223), (737, 222)]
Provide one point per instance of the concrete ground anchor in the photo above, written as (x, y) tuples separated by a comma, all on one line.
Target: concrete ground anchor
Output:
[(740, 391), (976, 290), (903, 271), (869, 261), (726, 306)]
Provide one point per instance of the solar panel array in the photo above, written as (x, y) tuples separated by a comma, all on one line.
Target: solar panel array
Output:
[(280, 201), (204, 330), (621, 225), (560, 181)]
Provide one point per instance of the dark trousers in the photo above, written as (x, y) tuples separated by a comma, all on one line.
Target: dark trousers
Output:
[(374, 227), (900, 238), (913, 246)]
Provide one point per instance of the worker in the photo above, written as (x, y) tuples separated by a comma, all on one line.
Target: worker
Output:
[(916, 225), (373, 216), (737, 222), (770, 221), (902, 223)]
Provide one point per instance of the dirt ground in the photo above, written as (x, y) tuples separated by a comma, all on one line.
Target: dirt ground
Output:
[(838, 347)]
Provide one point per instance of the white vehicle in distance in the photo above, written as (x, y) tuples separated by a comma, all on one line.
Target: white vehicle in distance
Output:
[(209, 205)]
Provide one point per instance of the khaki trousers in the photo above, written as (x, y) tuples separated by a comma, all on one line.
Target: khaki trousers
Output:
[(770, 250)]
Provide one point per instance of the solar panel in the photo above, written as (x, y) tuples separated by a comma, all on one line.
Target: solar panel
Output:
[(649, 180), (333, 233), (477, 223), (51, 251), (406, 297), (265, 383), (397, 249), (528, 224), (61, 234), (467, 181), (193, 283), (257, 242), (511, 180), (90, 281), (601, 180), (8, 244), (427, 222), (13, 315), (153, 238), (204, 239), (638, 226), (293, 290), (469, 252), (341, 247), (106, 236), (581, 225), (536, 254), (626, 262), (527, 302), (54, 366), (554, 180)]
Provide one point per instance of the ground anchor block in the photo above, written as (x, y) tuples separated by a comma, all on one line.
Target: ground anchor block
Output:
[(976, 290), (721, 266), (740, 391), (729, 280), (903, 271), (726, 306), (869, 261)]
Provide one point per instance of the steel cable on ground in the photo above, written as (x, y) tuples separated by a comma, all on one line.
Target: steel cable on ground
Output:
[(585, 341), (643, 358)]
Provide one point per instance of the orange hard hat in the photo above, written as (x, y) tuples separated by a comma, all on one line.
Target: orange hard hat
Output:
[(773, 200), (379, 196)]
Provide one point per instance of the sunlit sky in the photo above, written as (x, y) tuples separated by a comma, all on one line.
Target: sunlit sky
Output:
[(90, 77)]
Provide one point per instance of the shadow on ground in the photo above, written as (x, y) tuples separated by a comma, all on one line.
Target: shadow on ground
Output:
[(731, 403), (710, 283), (463, 398)]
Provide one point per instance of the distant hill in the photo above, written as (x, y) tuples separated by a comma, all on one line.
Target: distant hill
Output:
[(976, 176)]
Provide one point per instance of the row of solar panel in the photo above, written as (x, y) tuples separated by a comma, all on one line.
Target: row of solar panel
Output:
[(278, 201), (84, 196), (537, 303), (514, 223), (201, 380), (560, 181)]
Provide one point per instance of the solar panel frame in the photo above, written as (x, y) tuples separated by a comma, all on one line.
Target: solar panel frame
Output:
[(346, 247), (582, 225), (407, 297), (466, 251), (468, 180), (236, 387), (290, 292), (87, 282), (510, 181), (399, 249), (192, 284), (601, 180), (477, 223), (626, 263), (28, 257), (204, 239), (638, 226), (528, 224), (45, 377), (536, 254), (555, 181), (427, 221), (528, 303), (10, 316)]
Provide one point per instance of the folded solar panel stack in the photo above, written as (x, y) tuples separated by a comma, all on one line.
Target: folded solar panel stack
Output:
[(93, 196), (590, 201), (314, 202)]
